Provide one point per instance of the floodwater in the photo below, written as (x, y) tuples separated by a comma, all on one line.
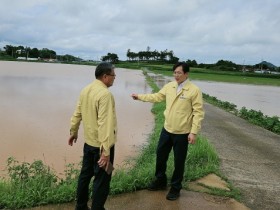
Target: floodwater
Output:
[(37, 102), (257, 97), (38, 99)]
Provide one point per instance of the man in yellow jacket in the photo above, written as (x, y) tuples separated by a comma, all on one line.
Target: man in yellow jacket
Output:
[(183, 116), (96, 109)]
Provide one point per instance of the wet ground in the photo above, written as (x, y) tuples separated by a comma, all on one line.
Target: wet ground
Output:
[(148, 200), (249, 157)]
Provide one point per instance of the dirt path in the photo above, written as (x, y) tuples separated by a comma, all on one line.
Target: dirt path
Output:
[(250, 157)]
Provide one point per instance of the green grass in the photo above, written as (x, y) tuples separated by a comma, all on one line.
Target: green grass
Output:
[(229, 77), (235, 79), (209, 75), (33, 184), (255, 117)]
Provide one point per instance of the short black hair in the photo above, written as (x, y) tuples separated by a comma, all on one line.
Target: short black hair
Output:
[(184, 65), (103, 68)]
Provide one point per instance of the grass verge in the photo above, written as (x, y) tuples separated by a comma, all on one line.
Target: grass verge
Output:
[(255, 117)]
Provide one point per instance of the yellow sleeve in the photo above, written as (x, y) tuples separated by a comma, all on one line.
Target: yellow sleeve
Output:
[(155, 97), (76, 119), (105, 123), (198, 113)]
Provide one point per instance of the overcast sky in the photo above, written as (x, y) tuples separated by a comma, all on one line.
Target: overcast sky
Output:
[(242, 31)]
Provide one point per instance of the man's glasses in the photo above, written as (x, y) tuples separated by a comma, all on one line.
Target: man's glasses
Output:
[(177, 73), (113, 75)]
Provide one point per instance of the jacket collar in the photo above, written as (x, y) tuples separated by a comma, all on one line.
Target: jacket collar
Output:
[(186, 86), (97, 81)]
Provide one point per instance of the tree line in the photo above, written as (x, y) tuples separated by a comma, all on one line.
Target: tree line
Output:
[(224, 65), (155, 56), (44, 53), (148, 55), (27, 52), (144, 56)]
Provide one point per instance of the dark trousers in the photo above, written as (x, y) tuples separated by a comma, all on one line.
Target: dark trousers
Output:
[(101, 183), (179, 143)]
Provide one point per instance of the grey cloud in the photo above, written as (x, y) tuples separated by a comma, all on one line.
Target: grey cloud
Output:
[(196, 29)]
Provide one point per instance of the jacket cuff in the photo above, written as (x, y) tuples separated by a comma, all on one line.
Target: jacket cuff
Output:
[(106, 151), (194, 131), (73, 133)]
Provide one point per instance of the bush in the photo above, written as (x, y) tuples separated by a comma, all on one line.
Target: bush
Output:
[(33, 184), (258, 118)]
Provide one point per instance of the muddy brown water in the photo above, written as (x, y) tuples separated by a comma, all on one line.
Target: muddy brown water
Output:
[(14, 110), (38, 99)]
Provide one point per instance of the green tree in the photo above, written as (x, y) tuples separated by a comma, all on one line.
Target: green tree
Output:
[(67, 58), (10, 50), (34, 53), (164, 56), (191, 63), (47, 54), (110, 57), (226, 65), (129, 54)]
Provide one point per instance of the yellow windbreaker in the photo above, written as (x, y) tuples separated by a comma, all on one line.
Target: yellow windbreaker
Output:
[(96, 108), (184, 111)]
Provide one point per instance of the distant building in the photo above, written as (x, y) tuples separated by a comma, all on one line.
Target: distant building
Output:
[(262, 71), (29, 59), (265, 71), (21, 58), (274, 72)]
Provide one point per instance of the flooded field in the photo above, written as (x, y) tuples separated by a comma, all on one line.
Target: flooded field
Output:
[(38, 99), (257, 97)]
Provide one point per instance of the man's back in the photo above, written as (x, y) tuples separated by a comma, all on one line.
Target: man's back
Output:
[(98, 114)]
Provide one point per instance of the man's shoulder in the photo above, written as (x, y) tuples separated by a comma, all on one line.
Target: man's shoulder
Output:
[(171, 84), (192, 85), (87, 88), (95, 87)]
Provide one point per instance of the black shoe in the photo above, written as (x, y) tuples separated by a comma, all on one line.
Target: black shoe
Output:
[(173, 194), (157, 185)]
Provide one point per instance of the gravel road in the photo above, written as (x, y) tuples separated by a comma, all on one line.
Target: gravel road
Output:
[(250, 157)]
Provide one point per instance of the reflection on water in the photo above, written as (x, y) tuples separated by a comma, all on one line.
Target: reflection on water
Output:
[(37, 101), (256, 97)]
